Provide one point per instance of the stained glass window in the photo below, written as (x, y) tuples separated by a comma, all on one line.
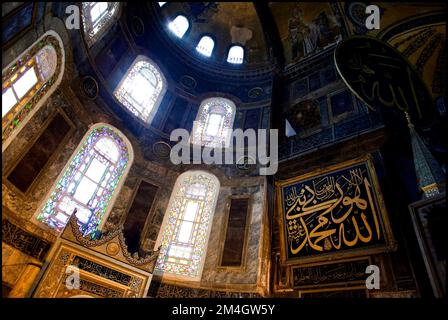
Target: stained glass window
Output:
[(179, 26), (89, 181), (236, 55), (28, 81), (97, 17), (187, 224), (205, 46), (142, 89), (214, 123)]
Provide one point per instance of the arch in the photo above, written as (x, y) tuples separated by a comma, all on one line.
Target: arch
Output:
[(235, 55), (90, 181), (186, 226), (179, 26), (205, 46), (142, 88), (28, 81), (97, 17), (214, 122)]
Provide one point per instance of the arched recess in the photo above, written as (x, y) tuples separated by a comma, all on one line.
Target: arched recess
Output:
[(28, 81), (89, 182), (186, 226)]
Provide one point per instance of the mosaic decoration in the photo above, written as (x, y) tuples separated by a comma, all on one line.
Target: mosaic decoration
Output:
[(129, 91), (428, 51), (93, 29), (420, 39), (306, 28), (99, 165), (338, 210), (46, 57), (178, 255), (214, 106)]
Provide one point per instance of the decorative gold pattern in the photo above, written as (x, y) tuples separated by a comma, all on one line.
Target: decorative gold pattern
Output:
[(133, 259), (102, 276)]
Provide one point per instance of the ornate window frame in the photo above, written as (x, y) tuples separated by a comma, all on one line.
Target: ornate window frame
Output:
[(90, 36), (214, 105), (107, 198), (18, 116), (120, 91), (170, 228)]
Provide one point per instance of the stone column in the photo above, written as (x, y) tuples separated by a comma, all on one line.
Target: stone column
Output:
[(26, 281)]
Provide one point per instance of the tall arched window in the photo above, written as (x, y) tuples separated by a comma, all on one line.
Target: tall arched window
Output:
[(205, 46), (90, 181), (29, 81), (236, 55), (214, 122), (179, 26), (186, 225), (142, 88), (97, 17)]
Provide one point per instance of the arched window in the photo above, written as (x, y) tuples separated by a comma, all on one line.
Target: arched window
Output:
[(29, 81), (236, 55), (186, 226), (97, 17), (179, 26), (205, 46), (89, 182), (142, 88), (214, 122)]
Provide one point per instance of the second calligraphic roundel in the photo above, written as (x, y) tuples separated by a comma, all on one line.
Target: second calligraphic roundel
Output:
[(381, 77)]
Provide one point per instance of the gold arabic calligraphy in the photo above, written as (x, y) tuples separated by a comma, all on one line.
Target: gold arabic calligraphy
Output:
[(322, 214)]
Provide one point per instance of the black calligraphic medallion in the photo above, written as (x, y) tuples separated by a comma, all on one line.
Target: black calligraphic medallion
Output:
[(333, 212), (90, 87), (380, 76)]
